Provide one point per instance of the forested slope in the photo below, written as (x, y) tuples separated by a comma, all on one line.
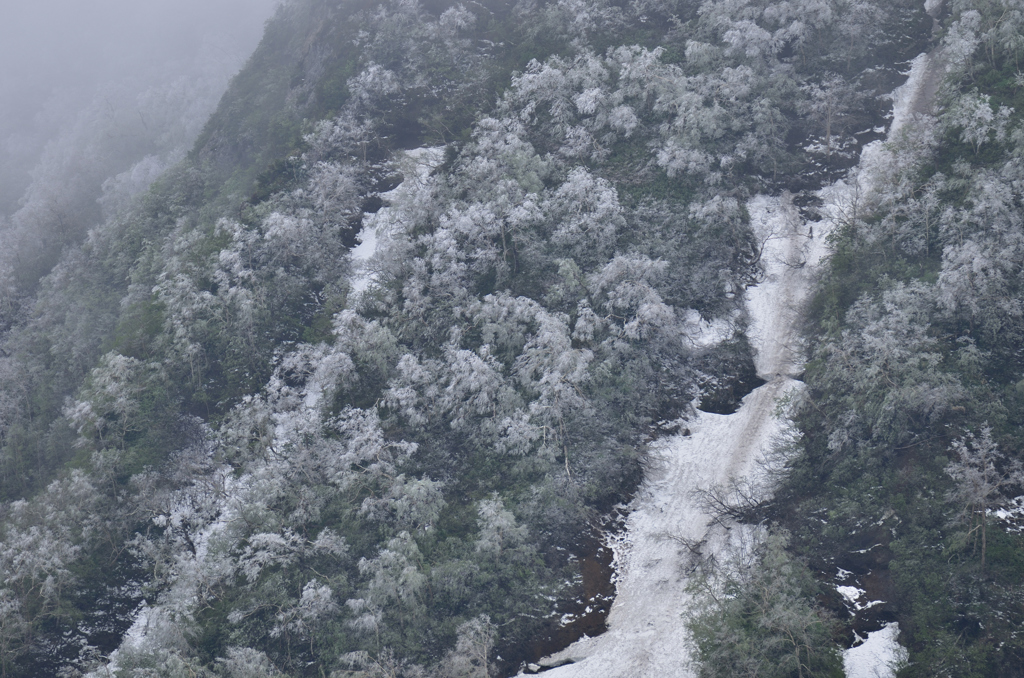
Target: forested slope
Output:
[(211, 437), (912, 447)]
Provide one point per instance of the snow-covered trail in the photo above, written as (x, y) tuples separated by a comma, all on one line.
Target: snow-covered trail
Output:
[(646, 636)]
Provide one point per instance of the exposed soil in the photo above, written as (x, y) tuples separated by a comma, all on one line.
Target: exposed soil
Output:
[(585, 615)]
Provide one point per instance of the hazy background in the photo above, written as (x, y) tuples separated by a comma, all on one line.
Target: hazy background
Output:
[(72, 70), (97, 99)]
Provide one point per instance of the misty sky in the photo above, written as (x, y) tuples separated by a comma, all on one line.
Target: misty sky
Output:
[(57, 56)]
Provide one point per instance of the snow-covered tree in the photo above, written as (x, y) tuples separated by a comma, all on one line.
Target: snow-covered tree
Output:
[(982, 476), (471, 656), (973, 114), (827, 105), (756, 617), (109, 408)]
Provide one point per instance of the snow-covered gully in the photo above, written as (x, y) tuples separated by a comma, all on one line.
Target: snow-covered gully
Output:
[(646, 635)]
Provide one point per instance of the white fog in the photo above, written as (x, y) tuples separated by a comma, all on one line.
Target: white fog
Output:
[(111, 80)]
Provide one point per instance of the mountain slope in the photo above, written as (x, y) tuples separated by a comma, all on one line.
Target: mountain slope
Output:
[(262, 462)]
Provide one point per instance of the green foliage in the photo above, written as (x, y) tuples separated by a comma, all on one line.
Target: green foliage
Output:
[(758, 617)]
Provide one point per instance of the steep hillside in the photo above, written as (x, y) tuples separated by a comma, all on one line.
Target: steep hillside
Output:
[(232, 446), (913, 446)]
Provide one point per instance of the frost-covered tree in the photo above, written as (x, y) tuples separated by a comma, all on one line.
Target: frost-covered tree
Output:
[(828, 104), (395, 585), (961, 41), (982, 475), (471, 656), (43, 542), (247, 663), (995, 24), (499, 530), (13, 629), (886, 372), (759, 618), (408, 505), (980, 281), (109, 408), (973, 114)]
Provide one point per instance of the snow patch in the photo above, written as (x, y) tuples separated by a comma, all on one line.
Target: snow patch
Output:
[(706, 333), (853, 595), (788, 248), (1012, 514), (846, 199), (877, 657), (416, 166), (906, 98)]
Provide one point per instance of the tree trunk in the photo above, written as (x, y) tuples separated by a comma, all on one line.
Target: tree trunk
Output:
[(984, 543)]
